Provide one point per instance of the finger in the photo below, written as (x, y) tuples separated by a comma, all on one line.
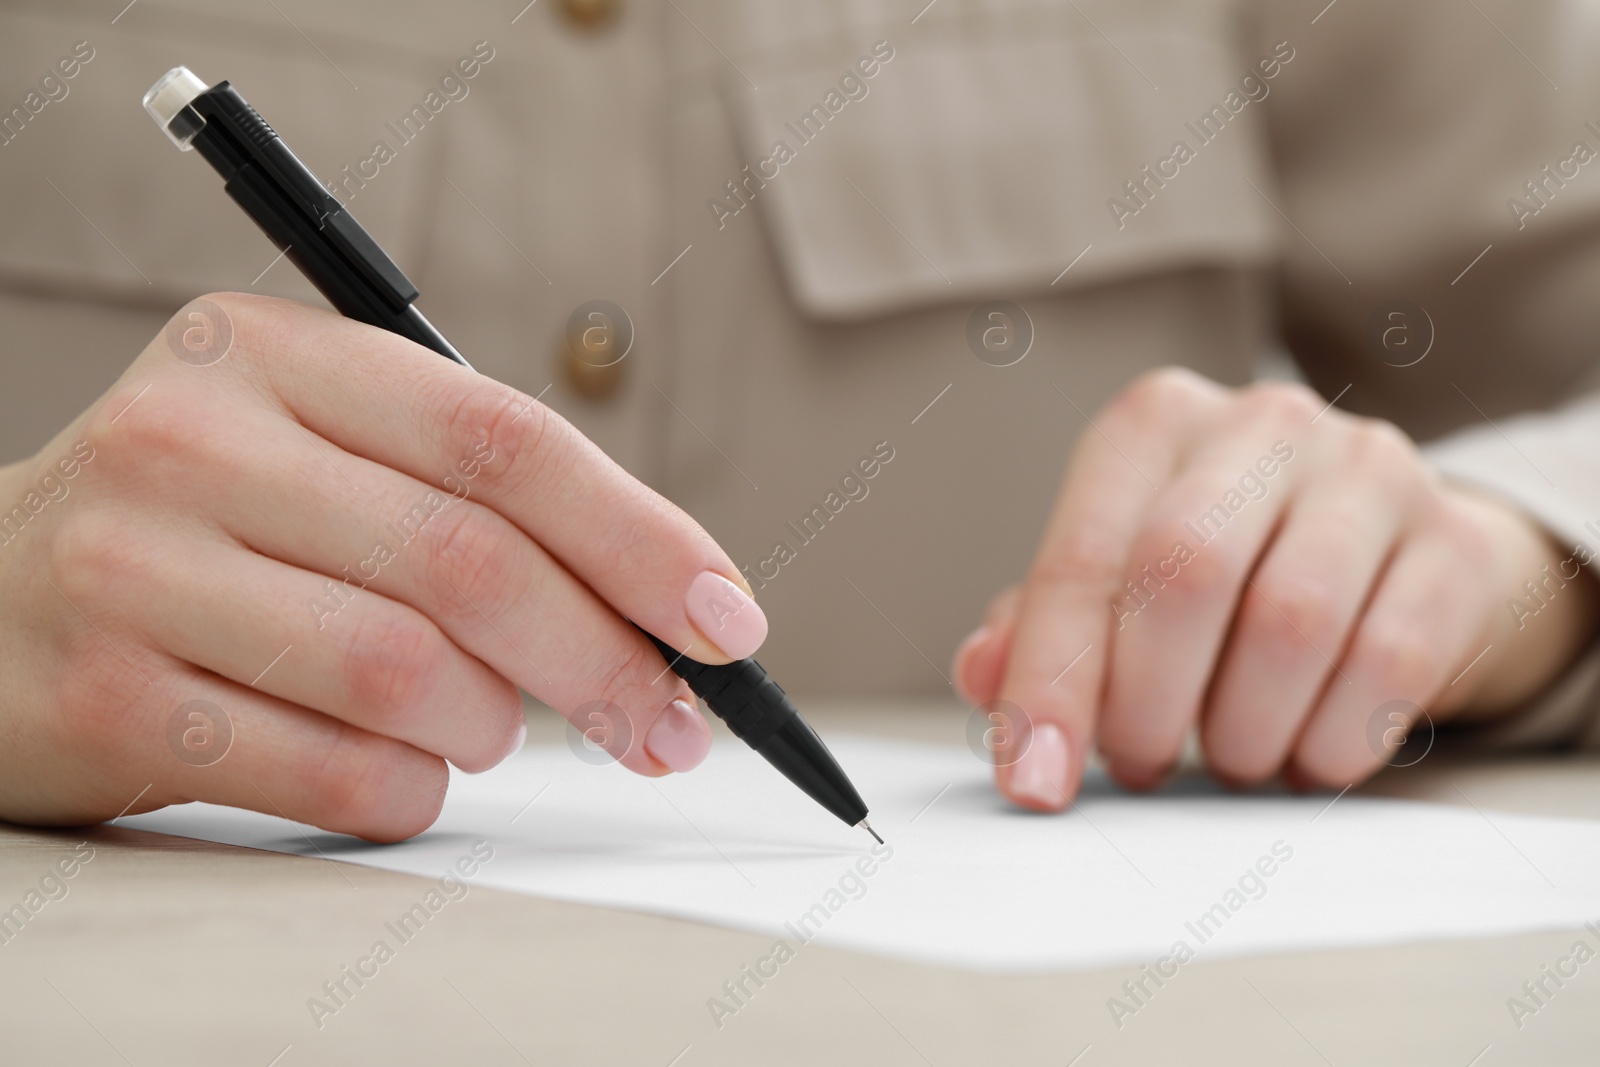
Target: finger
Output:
[(1200, 542), (1063, 633), (208, 739), (978, 665), (1417, 633), (1293, 623), (404, 407), (386, 668), (491, 590)]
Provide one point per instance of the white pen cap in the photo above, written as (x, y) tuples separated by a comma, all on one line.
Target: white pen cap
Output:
[(166, 100)]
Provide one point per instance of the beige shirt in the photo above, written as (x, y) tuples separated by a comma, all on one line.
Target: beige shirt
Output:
[(801, 208)]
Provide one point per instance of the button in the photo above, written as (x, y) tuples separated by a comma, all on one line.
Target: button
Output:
[(594, 348), (590, 14), (589, 373)]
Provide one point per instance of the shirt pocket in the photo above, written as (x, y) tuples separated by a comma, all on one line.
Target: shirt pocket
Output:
[(987, 152)]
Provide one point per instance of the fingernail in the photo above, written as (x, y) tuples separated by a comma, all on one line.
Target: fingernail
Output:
[(976, 637), (679, 737), (1039, 778), (516, 746), (958, 662), (725, 613)]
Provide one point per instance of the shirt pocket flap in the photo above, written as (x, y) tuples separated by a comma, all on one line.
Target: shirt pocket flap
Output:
[(966, 167)]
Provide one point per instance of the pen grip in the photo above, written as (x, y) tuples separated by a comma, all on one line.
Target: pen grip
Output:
[(741, 693)]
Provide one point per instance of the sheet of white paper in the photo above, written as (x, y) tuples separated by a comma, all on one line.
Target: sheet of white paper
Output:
[(970, 882)]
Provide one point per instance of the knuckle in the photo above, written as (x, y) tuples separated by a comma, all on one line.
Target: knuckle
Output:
[(394, 663), (241, 308), (626, 680), (425, 792), (1087, 559), (1211, 570), (1383, 449), (1334, 758), (505, 708), (512, 438), (1398, 661), (1327, 770), (472, 558), (1286, 402), (1473, 542), (1234, 760), (348, 786), (252, 317), (1167, 385), (1294, 610), (500, 712), (162, 432), (90, 554), (659, 537), (204, 330), (1154, 395), (101, 429), (99, 701), (1342, 521), (1131, 744), (1459, 527), (1155, 563)]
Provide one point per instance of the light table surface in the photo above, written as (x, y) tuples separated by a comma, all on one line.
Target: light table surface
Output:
[(174, 952)]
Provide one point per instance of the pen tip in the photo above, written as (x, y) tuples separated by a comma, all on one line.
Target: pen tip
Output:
[(865, 825)]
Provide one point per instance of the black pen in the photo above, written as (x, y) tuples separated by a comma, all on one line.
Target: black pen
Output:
[(315, 232)]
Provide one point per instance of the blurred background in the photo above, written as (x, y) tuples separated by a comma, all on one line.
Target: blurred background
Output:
[(936, 238)]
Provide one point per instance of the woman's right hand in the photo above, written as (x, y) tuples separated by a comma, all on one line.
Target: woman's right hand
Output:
[(329, 557)]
